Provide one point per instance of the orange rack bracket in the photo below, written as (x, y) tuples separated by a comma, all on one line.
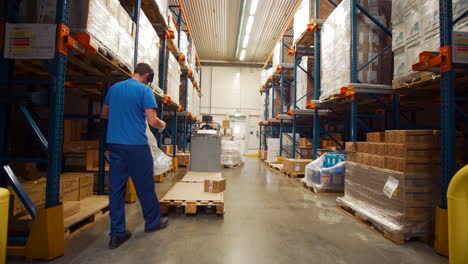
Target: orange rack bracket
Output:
[(312, 27), (167, 100), (435, 61), (80, 42), (170, 34)]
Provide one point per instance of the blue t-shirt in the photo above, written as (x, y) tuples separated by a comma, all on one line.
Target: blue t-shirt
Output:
[(127, 101)]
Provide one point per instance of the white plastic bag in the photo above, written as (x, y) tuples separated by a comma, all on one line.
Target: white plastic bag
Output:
[(161, 161)]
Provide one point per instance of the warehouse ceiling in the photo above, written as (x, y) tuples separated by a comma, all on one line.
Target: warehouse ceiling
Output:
[(215, 24)]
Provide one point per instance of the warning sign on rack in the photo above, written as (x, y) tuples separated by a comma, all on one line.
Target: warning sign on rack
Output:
[(30, 41), (460, 47)]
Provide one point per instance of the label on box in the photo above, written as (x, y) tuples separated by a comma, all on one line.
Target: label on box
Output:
[(298, 167), (337, 179), (325, 179), (30, 41), (460, 47), (390, 187)]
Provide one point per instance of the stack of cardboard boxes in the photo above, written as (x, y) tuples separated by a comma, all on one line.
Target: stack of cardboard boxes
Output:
[(391, 179), (295, 166)]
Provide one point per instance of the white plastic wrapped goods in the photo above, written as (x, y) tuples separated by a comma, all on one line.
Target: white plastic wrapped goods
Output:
[(192, 56), (162, 162), (336, 48), (196, 104), (301, 19), (324, 179), (399, 202), (184, 44), (148, 46), (190, 97), (305, 84), (231, 153), (173, 78), (277, 57), (415, 28), (273, 149), (173, 26)]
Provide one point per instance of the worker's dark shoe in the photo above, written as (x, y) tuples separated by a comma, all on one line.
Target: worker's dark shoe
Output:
[(163, 223), (115, 242)]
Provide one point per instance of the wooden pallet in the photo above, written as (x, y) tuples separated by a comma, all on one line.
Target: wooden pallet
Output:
[(190, 196), (396, 238), (276, 167), (316, 190), (92, 209), (293, 174)]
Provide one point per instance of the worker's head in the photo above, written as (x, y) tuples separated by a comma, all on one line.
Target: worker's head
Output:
[(143, 73)]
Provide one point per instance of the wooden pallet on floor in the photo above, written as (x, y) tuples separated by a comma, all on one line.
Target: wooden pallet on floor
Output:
[(316, 190), (276, 167), (396, 238), (191, 197), (92, 209), (293, 174)]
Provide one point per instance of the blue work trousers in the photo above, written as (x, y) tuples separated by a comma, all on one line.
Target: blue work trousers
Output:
[(133, 161)]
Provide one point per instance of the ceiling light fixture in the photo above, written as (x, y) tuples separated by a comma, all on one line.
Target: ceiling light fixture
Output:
[(246, 41), (253, 7), (248, 28), (242, 55)]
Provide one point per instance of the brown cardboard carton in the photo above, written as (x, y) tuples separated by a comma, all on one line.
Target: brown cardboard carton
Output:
[(226, 124), (295, 165), (376, 137), (169, 149), (86, 185), (35, 191), (71, 130), (351, 147), (215, 186), (362, 147), (70, 187), (184, 159)]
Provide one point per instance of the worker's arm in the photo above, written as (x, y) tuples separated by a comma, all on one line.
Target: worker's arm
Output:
[(153, 119), (105, 112)]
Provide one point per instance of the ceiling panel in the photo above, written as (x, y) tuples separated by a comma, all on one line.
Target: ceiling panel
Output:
[(214, 25)]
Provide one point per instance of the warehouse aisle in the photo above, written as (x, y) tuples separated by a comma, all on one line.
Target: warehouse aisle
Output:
[(269, 219)]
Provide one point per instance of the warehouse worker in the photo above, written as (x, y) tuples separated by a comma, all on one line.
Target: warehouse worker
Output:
[(126, 105)]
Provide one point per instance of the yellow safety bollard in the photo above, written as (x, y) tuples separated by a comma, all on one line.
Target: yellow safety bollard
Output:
[(457, 195), (4, 203)]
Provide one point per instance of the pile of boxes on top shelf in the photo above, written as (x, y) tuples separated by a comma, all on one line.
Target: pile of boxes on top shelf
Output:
[(391, 179), (416, 28)]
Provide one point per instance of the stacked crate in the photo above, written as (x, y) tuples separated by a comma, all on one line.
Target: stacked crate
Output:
[(295, 167), (391, 179)]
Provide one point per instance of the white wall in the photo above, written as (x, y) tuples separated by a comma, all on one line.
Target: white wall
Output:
[(227, 90)]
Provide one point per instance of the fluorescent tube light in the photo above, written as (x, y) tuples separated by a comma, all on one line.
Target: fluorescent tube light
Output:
[(248, 28), (246, 41), (253, 7), (242, 56)]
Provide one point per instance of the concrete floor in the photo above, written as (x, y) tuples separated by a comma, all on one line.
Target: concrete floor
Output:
[(269, 219)]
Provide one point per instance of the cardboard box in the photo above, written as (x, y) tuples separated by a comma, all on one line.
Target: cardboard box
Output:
[(376, 148), (306, 153), (36, 192), (362, 147), (71, 130), (376, 137), (86, 185), (403, 165), (169, 149), (70, 187), (351, 147), (184, 159), (351, 156), (305, 143), (226, 124), (295, 165), (215, 186)]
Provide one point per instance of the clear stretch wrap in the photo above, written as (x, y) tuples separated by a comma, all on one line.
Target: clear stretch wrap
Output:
[(173, 78), (161, 162), (415, 28), (192, 56), (305, 84), (100, 19), (399, 202), (231, 153), (196, 104), (324, 179), (190, 97), (306, 13), (163, 7), (148, 46), (172, 25), (301, 19), (184, 44), (371, 40), (277, 58), (273, 149)]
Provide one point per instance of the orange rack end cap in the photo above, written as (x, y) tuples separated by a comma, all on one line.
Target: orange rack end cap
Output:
[(270, 78), (290, 113), (190, 73), (269, 120), (166, 100), (279, 68), (180, 108), (189, 114), (311, 27), (182, 58), (278, 117), (170, 34), (264, 86), (195, 83), (291, 51), (310, 105)]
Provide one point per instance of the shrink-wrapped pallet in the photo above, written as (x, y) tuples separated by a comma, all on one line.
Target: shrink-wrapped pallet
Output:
[(231, 153), (305, 84), (173, 78), (148, 46), (401, 203), (171, 22), (306, 13), (371, 40), (278, 57), (273, 149), (416, 28), (325, 177)]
